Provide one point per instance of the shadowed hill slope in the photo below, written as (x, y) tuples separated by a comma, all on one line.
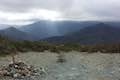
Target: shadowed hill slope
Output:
[(99, 33), (15, 34)]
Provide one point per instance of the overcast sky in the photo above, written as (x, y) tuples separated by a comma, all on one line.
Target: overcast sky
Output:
[(27, 11)]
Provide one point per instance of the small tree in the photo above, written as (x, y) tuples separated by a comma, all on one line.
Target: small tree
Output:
[(13, 51)]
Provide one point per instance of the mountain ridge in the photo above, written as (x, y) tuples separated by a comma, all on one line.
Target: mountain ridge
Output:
[(46, 29), (99, 33), (15, 34)]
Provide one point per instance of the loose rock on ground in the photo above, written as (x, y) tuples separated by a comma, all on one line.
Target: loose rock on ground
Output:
[(20, 70)]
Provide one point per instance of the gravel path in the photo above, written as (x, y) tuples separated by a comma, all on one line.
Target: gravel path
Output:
[(79, 66)]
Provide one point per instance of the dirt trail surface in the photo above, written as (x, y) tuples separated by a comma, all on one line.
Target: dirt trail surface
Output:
[(78, 66)]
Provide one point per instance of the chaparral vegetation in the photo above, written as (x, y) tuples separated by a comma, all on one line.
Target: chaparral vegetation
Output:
[(12, 47)]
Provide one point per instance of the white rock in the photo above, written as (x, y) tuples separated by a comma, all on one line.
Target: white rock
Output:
[(16, 66), (15, 75)]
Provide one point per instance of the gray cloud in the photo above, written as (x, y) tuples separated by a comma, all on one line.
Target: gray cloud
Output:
[(24, 5), (70, 9)]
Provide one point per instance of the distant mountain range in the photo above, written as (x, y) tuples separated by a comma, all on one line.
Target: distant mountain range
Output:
[(15, 34), (46, 29), (99, 33), (66, 31)]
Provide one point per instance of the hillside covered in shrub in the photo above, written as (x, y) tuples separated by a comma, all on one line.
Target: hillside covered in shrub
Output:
[(12, 47)]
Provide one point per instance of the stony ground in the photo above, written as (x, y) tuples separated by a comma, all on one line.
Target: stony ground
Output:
[(78, 66)]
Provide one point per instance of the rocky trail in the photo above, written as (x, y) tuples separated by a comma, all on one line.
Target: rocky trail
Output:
[(77, 66)]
